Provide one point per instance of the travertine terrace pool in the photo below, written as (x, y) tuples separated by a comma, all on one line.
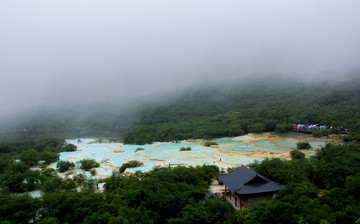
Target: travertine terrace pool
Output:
[(229, 152)]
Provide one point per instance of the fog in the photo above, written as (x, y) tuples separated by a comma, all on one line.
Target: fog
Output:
[(64, 53)]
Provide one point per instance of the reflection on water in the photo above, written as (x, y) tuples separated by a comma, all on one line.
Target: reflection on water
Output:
[(228, 153)]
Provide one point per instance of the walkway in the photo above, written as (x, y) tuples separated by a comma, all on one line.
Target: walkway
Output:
[(215, 187), (232, 202)]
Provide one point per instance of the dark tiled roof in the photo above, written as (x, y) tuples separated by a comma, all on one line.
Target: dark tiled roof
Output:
[(245, 181), (238, 177), (259, 187), (210, 195)]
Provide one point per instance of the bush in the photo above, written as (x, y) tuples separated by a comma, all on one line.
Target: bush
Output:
[(317, 134), (88, 164), (303, 145), (208, 144), (297, 155), (130, 164), (69, 148), (185, 149), (354, 137), (320, 133), (93, 172), (63, 166), (139, 149)]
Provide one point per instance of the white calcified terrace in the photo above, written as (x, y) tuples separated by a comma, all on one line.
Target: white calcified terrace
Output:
[(230, 152)]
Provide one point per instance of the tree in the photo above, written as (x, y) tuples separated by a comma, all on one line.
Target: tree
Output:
[(130, 164), (51, 184), (275, 169), (208, 144), (283, 128), (303, 145), (185, 149), (88, 164), (49, 172), (18, 209), (68, 185), (79, 178), (256, 128), (93, 172), (297, 155), (211, 211), (63, 166), (69, 147), (49, 220), (49, 157), (353, 186)]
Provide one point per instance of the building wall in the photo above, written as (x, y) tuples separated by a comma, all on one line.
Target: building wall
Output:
[(253, 199)]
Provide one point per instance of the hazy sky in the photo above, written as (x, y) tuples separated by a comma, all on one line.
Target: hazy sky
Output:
[(72, 51)]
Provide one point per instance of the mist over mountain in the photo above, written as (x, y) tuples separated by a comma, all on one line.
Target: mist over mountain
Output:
[(265, 101), (132, 72), (73, 61), (65, 52)]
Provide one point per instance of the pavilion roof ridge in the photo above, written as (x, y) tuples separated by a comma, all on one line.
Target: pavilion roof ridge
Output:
[(241, 180)]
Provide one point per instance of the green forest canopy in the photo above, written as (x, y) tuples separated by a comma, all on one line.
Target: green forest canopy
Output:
[(269, 106), (323, 188)]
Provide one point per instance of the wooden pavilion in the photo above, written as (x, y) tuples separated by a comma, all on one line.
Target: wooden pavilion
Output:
[(248, 187)]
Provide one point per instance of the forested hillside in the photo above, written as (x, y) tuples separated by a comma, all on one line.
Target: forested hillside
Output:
[(239, 109), (108, 119), (203, 111)]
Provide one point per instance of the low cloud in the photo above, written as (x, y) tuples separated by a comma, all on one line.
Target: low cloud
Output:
[(58, 53)]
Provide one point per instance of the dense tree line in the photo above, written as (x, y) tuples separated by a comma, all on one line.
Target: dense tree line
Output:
[(269, 106), (16, 158), (323, 188), (159, 196)]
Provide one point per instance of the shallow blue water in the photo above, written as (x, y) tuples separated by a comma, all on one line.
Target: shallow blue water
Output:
[(228, 152)]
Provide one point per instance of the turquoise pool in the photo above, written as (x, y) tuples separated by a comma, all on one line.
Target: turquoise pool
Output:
[(228, 153)]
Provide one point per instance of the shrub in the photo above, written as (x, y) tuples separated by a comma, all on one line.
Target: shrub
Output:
[(93, 172), (88, 164), (297, 155), (320, 133), (303, 145), (69, 148), (208, 144), (130, 164), (63, 166), (139, 149), (185, 149)]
